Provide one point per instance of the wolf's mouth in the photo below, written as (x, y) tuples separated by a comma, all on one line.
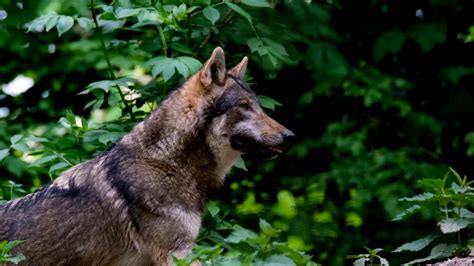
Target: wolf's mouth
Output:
[(263, 150)]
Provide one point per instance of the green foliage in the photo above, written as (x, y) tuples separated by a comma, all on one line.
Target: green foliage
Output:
[(371, 258), (375, 103), (451, 200), (5, 248), (243, 246)]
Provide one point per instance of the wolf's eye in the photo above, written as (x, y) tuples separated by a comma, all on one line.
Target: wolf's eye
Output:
[(244, 106)]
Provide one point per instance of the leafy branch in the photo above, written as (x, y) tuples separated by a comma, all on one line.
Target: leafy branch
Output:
[(127, 108)]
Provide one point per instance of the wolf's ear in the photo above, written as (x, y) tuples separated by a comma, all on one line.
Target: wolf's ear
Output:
[(214, 69), (239, 70)]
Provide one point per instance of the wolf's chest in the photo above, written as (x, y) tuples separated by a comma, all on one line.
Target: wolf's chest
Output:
[(188, 221)]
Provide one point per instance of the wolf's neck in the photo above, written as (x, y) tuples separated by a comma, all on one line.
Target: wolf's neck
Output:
[(178, 156)]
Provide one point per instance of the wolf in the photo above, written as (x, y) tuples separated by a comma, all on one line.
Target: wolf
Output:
[(141, 201)]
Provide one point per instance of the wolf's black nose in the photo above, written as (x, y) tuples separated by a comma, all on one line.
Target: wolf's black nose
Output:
[(288, 137)]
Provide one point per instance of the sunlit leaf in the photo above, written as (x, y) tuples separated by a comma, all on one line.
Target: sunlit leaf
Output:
[(421, 197), (51, 22), (4, 153), (64, 24), (22, 147), (240, 234), (465, 213), (416, 245), (86, 23), (407, 212), (256, 3), (121, 12), (361, 262), (451, 225), (15, 138), (193, 64), (276, 260), (44, 160), (110, 25), (438, 252)]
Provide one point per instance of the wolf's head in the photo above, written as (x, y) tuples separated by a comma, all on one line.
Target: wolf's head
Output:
[(238, 123)]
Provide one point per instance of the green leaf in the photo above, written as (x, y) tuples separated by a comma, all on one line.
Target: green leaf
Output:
[(110, 137), (104, 85), (39, 24), (264, 225), (58, 166), (193, 64), (126, 12), (268, 102), (240, 234), (86, 23), (389, 41), (256, 3), (465, 213), (162, 65), (36, 139), (15, 138), (4, 153), (181, 68), (276, 260), (267, 228), (213, 210), (240, 11), (22, 147), (456, 174), (181, 48), (407, 212), (240, 163), (180, 12), (9, 245), (420, 197), (168, 71), (451, 225), (438, 252), (51, 22), (361, 262), (110, 25), (64, 24), (211, 14), (428, 35), (254, 43), (44, 160), (416, 245), (17, 259), (383, 261), (457, 189), (148, 17)]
